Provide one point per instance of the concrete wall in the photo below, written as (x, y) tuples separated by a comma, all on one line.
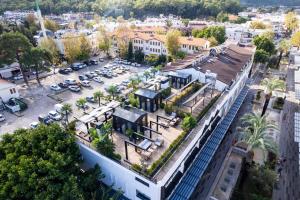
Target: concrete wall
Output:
[(119, 176), (5, 93)]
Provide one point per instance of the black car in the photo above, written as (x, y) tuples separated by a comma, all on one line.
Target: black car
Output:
[(87, 62), (83, 77), (63, 71), (94, 62), (76, 66), (63, 85), (45, 119), (90, 99)]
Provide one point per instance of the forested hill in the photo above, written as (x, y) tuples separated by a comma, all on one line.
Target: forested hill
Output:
[(271, 2), (185, 8)]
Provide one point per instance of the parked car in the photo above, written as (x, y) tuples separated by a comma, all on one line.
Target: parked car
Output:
[(45, 119), (89, 75), (18, 77), (63, 71), (94, 62), (70, 82), (55, 87), (101, 59), (76, 66), (82, 77), (34, 125), (55, 115), (108, 75), (63, 85), (98, 79), (87, 62), (2, 118), (93, 74), (90, 99), (85, 83), (74, 88)]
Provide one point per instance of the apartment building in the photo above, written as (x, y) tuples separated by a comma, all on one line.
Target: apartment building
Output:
[(155, 43)]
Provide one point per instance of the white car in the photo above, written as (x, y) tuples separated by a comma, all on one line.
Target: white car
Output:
[(55, 87), (70, 82), (34, 125), (55, 115), (74, 88), (85, 83), (2, 118), (98, 79)]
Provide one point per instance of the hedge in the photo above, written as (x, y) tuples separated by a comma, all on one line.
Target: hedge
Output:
[(206, 109)]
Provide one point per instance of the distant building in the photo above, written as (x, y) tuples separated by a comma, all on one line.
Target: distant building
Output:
[(7, 90)]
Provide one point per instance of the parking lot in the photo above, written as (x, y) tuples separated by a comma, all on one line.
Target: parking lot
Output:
[(41, 100)]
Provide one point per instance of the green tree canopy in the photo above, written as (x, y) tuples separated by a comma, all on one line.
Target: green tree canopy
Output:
[(218, 32), (264, 43)]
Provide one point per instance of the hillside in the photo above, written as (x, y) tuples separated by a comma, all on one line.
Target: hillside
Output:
[(271, 2), (185, 8)]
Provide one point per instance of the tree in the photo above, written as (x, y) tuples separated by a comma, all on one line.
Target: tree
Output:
[(12, 46), (104, 41), (36, 58), (66, 110), (51, 25), (134, 82), (81, 103), (98, 95), (188, 123), (271, 85), (122, 40), (212, 41), (257, 25), (263, 43), (218, 32), (255, 130), (112, 90), (283, 47), (85, 48), (295, 39), (152, 59), (130, 51), (43, 163), (261, 56), (139, 56), (222, 17), (50, 45), (71, 47), (291, 21), (269, 34), (172, 42), (146, 75)]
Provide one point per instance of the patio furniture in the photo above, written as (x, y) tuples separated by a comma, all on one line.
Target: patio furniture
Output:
[(159, 142), (146, 155), (145, 144), (174, 121)]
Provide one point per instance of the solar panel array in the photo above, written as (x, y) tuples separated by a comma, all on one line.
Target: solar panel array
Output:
[(191, 178)]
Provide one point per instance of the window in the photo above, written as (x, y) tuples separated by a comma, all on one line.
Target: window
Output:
[(12, 91), (141, 181), (141, 196)]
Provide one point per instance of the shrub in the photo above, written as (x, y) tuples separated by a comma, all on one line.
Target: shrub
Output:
[(169, 108), (136, 167), (134, 102), (162, 105), (166, 92), (258, 95), (189, 122)]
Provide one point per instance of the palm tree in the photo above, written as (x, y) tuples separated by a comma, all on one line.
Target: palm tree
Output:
[(81, 103), (134, 82), (112, 90), (255, 130), (270, 85), (284, 46), (66, 109), (98, 95)]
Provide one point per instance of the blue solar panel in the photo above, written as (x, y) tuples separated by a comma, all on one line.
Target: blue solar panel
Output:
[(190, 179)]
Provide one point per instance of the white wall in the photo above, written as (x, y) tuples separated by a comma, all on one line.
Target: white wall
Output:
[(5, 93), (120, 176)]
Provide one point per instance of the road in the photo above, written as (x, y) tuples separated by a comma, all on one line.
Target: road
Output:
[(40, 103), (288, 187)]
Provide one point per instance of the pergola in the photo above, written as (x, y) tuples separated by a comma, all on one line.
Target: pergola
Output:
[(129, 118), (179, 80), (149, 100)]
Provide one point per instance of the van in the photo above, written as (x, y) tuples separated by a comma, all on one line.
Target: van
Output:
[(58, 107)]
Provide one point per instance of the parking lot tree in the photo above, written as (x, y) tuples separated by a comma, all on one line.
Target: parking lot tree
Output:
[(270, 85), (98, 95), (146, 74), (85, 48), (130, 51), (283, 47), (81, 103), (50, 45), (36, 59), (151, 59), (12, 46), (66, 110), (122, 33), (71, 47), (51, 25), (295, 39), (139, 56), (44, 163), (104, 40), (112, 90), (172, 42), (291, 21)]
